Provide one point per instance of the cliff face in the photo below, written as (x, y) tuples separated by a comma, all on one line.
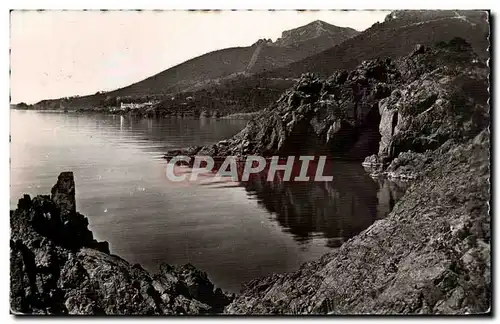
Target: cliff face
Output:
[(58, 268), (418, 102), (424, 117), (446, 102), (431, 255)]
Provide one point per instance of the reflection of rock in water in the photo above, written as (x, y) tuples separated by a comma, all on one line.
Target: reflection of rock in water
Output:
[(390, 191), (335, 210)]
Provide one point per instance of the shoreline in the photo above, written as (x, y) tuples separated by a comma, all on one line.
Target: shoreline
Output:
[(430, 255), (142, 114), (383, 246), (57, 267)]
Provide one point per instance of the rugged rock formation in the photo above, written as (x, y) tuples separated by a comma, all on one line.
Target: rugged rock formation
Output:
[(418, 102), (424, 118), (445, 102), (431, 255), (58, 268), (317, 116)]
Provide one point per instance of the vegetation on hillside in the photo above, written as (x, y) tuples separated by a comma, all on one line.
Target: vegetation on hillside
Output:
[(211, 69)]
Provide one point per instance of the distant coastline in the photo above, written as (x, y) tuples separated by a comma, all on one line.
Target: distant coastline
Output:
[(145, 113), (408, 99)]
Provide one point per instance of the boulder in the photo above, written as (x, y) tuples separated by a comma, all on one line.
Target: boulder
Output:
[(63, 194)]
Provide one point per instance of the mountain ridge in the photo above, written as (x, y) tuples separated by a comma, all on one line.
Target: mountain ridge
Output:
[(317, 28), (393, 38), (263, 71), (214, 66), (396, 36)]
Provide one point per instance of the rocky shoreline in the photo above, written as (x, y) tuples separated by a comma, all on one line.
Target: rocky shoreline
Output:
[(427, 118), (153, 112), (430, 255), (56, 267), (416, 103)]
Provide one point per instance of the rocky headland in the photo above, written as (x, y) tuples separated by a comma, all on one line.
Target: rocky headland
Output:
[(430, 255), (384, 106), (57, 267), (423, 118)]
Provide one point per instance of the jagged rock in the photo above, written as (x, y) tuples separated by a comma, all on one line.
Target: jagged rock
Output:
[(383, 106), (58, 268), (408, 165), (439, 106), (430, 255), (63, 193), (372, 160), (388, 122)]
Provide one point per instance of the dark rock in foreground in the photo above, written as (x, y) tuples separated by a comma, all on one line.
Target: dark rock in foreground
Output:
[(425, 117), (57, 267), (431, 255)]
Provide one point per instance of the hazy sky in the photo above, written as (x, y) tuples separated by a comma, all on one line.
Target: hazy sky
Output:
[(63, 53)]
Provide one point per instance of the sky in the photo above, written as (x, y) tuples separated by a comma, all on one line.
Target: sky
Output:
[(63, 53)]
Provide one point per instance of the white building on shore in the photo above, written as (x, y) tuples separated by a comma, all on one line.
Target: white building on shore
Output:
[(134, 105)]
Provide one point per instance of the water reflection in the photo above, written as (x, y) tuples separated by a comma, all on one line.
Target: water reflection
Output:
[(227, 232), (335, 210)]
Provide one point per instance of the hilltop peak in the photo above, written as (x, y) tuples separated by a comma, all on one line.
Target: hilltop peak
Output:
[(319, 22), (314, 29)]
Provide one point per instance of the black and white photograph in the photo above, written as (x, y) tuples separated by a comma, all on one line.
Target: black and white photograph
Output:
[(250, 162)]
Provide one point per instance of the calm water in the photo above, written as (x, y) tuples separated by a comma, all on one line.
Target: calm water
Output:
[(234, 233)]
